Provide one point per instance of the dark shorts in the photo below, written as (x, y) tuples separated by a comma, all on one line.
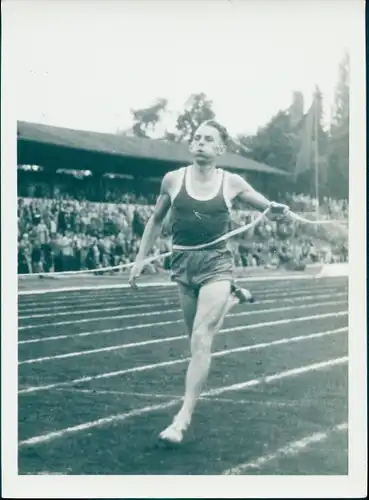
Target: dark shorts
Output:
[(196, 268)]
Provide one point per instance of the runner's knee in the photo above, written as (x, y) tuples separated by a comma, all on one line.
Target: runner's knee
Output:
[(209, 318), (201, 341)]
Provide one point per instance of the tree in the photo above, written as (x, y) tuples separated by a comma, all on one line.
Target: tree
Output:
[(273, 144), (198, 108), (338, 161), (145, 120), (296, 110), (278, 144)]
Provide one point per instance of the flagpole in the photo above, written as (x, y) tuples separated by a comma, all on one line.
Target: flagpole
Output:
[(316, 156)]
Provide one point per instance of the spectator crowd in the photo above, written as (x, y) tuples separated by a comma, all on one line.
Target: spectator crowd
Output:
[(335, 209), (61, 230)]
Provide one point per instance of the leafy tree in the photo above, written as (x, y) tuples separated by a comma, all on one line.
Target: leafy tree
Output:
[(278, 144), (338, 161), (145, 120), (198, 108), (273, 144)]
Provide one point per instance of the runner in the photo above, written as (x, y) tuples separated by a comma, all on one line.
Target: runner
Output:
[(200, 198)]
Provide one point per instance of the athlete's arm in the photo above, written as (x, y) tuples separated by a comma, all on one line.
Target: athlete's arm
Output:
[(242, 191), (154, 224)]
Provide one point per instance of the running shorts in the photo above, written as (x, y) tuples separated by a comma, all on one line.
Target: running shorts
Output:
[(196, 268)]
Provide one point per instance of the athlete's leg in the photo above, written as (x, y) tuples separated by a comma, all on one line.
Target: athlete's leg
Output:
[(211, 309), (188, 301)]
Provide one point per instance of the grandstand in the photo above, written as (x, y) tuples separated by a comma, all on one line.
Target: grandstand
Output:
[(56, 147), (94, 218)]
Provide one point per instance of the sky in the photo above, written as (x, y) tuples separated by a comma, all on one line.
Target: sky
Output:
[(85, 64)]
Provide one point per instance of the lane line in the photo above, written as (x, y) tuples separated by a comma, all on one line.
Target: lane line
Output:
[(168, 311), (152, 366), (79, 300), (278, 376), (75, 312), (97, 306), (260, 279), (100, 318), (99, 332), (117, 347), (120, 417), (151, 325), (279, 404), (142, 295), (291, 449), (267, 301), (281, 297), (119, 299)]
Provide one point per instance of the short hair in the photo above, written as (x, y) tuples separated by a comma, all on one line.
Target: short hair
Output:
[(222, 130)]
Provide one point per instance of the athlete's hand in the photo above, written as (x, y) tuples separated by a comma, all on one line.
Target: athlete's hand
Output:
[(136, 271), (279, 210)]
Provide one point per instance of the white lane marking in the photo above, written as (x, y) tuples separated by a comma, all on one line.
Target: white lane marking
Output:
[(282, 404), (154, 325), (121, 302), (148, 409), (169, 311), (278, 376), (95, 310), (57, 304), (147, 285), (99, 332), (290, 449), (116, 347), (281, 296), (119, 393), (60, 303), (100, 318), (261, 279), (46, 473), (162, 364)]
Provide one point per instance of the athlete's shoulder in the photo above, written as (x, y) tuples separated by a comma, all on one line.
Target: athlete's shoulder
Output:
[(236, 184), (234, 180), (171, 179), (174, 174)]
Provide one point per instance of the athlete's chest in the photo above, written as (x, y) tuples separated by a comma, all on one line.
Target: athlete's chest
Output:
[(193, 211), (194, 190), (204, 190)]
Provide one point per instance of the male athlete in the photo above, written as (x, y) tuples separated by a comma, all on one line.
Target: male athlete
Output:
[(200, 197)]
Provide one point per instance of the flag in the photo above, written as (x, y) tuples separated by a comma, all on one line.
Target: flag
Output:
[(305, 155)]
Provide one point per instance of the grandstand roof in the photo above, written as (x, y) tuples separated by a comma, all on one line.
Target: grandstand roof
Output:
[(129, 147)]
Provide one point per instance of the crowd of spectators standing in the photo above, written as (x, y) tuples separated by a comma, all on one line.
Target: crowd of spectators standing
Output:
[(335, 209), (61, 230)]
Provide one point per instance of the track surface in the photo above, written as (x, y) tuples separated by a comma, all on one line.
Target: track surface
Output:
[(101, 373)]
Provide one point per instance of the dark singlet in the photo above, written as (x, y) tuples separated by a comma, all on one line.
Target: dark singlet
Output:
[(195, 222)]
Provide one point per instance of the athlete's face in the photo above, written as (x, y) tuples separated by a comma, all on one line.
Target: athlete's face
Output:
[(206, 145)]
